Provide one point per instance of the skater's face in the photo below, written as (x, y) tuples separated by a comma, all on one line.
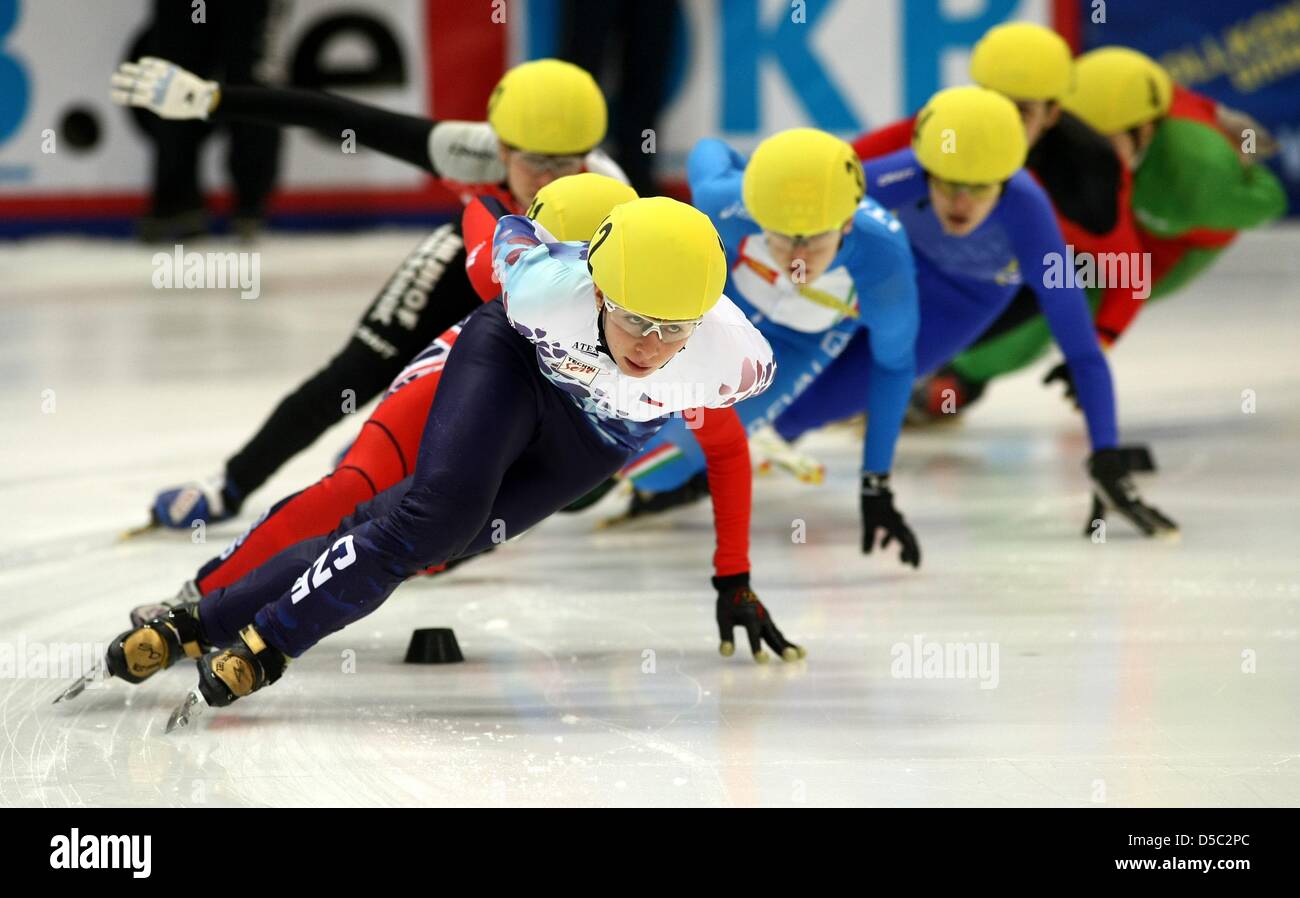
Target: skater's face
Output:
[(527, 173), (1038, 115), (1131, 145), (636, 356), (961, 208), (805, 259)]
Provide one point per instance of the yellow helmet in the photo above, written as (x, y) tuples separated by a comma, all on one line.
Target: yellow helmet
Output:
[(1023, 61), (1117, 89), (659, 258), (970, 135), (548, 106), (571, 207), (803, 181)]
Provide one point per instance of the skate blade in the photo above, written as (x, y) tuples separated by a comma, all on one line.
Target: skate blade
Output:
[(186, 712), (98, 672), (137, 531)]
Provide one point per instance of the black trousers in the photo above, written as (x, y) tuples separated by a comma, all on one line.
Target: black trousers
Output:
[(228, 46)]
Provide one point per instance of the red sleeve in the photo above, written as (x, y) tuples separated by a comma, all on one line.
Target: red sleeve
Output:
[(886, 140), (1118, 305), (478, 224), (1188, 104), (731, 484)]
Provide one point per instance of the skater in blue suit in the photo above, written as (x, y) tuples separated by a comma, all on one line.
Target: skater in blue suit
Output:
[(814, 266), (980, 227)]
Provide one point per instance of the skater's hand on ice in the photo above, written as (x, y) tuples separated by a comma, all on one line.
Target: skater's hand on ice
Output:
[(739, 606), (164, 88), (1062, 373), (208, 500), (879, 513), (1114, 490)]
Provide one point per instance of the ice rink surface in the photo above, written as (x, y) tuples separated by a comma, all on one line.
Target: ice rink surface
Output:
[(1127, 672)]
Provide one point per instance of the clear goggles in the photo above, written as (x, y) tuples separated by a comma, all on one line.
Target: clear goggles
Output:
[(788, 243), (976, 191), (640, 326), (542, 164)]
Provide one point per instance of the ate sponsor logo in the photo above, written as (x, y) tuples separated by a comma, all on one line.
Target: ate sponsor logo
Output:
[(588, 348), (90, 852)]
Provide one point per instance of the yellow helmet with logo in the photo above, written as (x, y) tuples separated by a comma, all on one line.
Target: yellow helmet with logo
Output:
[(571, 207), (803, 181), (1023, 61), (659, 258), (548, 106), (970, 135), (1117, 89)]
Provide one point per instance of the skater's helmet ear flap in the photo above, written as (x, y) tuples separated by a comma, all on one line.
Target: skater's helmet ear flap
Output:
[(573, 207)]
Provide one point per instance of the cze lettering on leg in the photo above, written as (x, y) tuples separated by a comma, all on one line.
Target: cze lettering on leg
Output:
[(323, 568)]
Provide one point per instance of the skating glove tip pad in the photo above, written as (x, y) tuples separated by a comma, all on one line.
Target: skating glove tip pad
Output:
[(1113, 489), (738, 605)]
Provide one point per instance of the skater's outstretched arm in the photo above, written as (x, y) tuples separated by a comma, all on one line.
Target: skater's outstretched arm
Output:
[(1191, 177), (885, 140), (395, 134), (731, 484), (715, 173), (1036, 240), (463, 152), (884, 277)]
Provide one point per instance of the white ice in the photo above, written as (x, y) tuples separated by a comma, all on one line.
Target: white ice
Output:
[(1129, 672)]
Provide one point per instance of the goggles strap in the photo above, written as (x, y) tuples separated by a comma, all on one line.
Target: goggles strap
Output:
[(601, 343)]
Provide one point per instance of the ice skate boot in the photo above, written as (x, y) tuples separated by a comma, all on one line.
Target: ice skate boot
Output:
[(645, 503), (148, 647), (771, 451), (229, 674), (142, 614)]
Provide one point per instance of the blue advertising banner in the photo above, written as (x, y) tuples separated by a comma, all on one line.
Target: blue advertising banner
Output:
[(1244, 54)]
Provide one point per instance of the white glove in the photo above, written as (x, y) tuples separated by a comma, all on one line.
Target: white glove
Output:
[(164, 88), (466, 152)]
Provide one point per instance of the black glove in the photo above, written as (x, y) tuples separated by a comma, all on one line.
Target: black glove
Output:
[(1113, 489), (878, 512), (739, 606), (1062, 373)]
